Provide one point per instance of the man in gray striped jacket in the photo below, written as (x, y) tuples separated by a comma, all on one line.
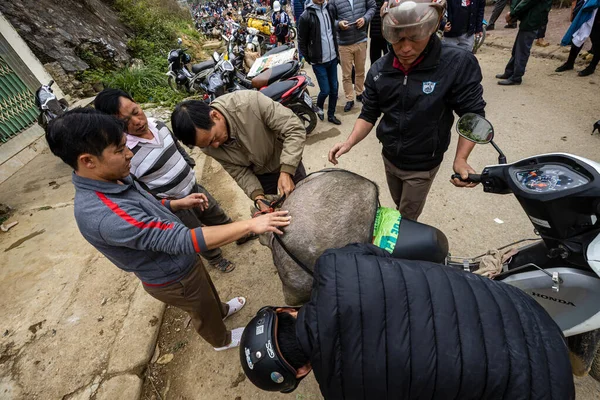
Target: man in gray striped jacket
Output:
[(161, 165)]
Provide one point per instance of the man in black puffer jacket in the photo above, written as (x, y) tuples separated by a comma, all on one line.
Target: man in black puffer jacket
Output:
[(382, 328), (417, 87), (318, 43)]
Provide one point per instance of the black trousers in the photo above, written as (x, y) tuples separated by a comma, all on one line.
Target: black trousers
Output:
[(378, 49), (213, 215), (521, 50), (498, 8), (269, 181), (595, 39)]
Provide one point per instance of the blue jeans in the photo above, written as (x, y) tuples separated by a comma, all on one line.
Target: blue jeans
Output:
[(327, 78)]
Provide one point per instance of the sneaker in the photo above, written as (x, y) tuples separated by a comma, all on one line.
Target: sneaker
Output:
[(564, 67), (348, 106), (502, 76), (359, 98), (334, 120), (236, 338), (490, 27), (320, 113), (510, 26)]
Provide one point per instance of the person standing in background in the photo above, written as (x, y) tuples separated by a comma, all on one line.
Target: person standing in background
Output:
[(379, 46), (465, 19), (352, 18), (498, 8)]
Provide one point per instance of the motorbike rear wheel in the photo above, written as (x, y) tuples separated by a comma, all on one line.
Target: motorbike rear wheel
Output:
[(307, 116)]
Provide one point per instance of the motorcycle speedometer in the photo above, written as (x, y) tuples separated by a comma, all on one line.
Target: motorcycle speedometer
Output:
[(227, 66), (549, 178)]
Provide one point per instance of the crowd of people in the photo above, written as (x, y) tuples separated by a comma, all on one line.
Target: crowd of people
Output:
[(138, 201)]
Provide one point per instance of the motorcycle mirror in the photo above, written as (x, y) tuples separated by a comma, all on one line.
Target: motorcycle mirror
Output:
[(216, 56), (479, 130), (475, 128), (179, 41)]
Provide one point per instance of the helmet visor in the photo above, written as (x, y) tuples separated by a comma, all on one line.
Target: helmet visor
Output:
[(411, 20)]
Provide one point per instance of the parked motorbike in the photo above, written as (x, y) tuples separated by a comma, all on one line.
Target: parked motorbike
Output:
[(560, 193), (50, 107), (180, 78), (293, 94)]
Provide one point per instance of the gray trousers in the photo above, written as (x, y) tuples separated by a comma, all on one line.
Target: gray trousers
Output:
[(465, 41), (213, 215), (498, 8), (521, 50)]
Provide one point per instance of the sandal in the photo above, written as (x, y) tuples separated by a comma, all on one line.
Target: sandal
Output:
[(235, 305), (236, 338), (224, 265)]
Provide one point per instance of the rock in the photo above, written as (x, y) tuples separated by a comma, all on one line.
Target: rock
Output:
[(165, 359), (4, 209), (71, 34), (98, 87), (122, 387)]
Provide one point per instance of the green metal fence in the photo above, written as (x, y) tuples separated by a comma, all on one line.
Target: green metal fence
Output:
[(17, 104)]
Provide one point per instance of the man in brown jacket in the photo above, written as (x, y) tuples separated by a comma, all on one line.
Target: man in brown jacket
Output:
[(258, 141)]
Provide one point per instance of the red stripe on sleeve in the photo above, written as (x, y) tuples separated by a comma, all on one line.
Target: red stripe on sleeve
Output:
[(163, 201), (195, 241), (128, 218)]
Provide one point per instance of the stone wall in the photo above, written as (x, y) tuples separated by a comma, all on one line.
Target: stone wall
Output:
[(69, 36)]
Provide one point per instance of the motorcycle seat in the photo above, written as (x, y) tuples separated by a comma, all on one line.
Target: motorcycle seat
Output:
[(277, 73), (278, 49), (276, 90), (417, 241), (202, 66)]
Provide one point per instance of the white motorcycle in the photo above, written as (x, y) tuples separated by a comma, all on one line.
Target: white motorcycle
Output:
[(560, 193)]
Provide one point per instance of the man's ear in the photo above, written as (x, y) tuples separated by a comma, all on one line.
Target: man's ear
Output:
[(303, 371), (87, 160)]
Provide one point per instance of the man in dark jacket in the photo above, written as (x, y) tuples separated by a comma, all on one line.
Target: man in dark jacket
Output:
[(317, 42), (352, 18), (466, 22), (379, 46), (382, 328), (417, 87), (533, 15)]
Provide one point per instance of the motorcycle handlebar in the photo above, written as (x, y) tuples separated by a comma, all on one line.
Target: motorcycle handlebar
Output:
[(51, 83), (473, 178)]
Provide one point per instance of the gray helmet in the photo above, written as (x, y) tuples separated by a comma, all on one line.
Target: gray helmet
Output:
[(412, 19)]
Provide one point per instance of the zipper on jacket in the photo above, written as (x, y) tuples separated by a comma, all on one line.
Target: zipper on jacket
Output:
[(405, 79)]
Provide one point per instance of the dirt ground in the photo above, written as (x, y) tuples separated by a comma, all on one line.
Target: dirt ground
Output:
[(549, 112)]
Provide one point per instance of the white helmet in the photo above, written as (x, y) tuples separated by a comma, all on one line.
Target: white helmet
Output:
[(276, 6), (414, 19)]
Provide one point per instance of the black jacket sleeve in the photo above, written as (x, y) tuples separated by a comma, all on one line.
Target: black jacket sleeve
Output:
[(370, 109), (466, 95), (303, 36), (480, 15)]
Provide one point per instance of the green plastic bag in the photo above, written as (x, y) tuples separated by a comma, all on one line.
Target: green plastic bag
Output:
[(385, 231)]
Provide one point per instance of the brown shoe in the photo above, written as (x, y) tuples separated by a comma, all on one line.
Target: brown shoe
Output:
[(542, 42)]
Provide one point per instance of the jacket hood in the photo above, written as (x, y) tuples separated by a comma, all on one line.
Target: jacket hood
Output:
[(101, 186), (311, 4)]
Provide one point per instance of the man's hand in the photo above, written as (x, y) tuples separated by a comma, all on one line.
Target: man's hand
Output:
[(261, 205), (285, 184), (447, 27), (382, 9), (478, 35), (343, 25), (360, 23), (193, 200), (270, 222), (337, 150), (508, 17), (461, 167)]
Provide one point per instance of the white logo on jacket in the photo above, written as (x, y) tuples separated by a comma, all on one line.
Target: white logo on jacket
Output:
[(429, 87)]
